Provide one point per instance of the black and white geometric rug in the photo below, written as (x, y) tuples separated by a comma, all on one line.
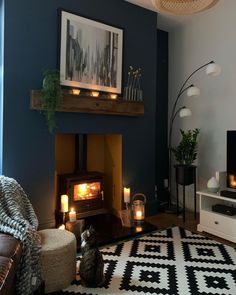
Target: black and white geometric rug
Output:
[(169, 262)]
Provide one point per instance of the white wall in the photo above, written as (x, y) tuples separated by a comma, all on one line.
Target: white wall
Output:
[(207, 36)]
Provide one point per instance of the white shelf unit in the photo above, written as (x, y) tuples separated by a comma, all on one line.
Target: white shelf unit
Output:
[(218, 224)]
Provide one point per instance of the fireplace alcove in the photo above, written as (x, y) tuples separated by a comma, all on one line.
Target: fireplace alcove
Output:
[(88, 168), (102, 158)]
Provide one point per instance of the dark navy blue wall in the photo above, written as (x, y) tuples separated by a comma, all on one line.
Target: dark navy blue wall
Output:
[(162, 116), (1, 77), (31, 45)]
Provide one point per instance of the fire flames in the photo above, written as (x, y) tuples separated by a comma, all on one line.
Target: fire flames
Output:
[(85, 191)]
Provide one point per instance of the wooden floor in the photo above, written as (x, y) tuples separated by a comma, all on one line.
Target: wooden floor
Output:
[(164, 220)]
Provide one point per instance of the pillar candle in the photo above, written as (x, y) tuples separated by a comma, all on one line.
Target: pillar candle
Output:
[(126, 194), (72, 215), (64, 203)]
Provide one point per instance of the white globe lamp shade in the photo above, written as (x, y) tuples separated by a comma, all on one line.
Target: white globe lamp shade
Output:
[(213, 69), (185, 112), (193, 91)]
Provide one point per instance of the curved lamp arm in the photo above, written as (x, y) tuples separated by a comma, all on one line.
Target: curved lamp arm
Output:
[(182, 90), (171, 124), (203, 66), (173, 112)]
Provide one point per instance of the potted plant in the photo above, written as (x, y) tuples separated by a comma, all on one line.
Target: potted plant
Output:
[(185, 154), (51, 97)]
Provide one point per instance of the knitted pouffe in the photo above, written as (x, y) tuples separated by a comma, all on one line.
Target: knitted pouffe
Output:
[(58, 259)]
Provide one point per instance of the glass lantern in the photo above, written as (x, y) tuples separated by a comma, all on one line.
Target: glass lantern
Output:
[(138, 207)]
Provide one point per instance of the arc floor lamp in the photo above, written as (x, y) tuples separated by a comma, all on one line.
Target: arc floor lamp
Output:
[(212, 69)]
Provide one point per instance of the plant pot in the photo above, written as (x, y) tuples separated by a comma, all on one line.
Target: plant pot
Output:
[(185, 174)]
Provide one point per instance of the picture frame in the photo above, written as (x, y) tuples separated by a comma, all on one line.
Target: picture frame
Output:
[(90, 54)]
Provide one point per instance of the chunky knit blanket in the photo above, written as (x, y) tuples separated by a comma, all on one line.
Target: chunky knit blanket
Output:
[(17, 217)]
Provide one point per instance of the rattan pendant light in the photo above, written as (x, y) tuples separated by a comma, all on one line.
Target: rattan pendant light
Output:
[(183, 7)]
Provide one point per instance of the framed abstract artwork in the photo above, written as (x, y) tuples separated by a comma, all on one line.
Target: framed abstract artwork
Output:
[(90, 54)]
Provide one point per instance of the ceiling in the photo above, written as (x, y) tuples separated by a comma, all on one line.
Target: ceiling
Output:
[(143, 3), (168, 22)]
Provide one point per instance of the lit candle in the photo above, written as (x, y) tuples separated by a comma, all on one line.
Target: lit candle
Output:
[(138, 229), (113, 96), (76, 91), (64, 203), (95, 93), (139, 215), (126, 194), (62, 226), (72, 215)]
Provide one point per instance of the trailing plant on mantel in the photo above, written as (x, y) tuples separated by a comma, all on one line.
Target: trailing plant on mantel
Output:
[(51, 97), (186, 152)]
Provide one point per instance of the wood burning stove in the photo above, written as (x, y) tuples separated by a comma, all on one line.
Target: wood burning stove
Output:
[(85, 192), (84, 188)]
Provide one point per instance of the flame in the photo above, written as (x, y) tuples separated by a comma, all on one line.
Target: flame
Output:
[(85, 191), (139, 213)]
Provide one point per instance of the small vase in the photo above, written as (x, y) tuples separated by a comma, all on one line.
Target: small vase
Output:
[(213, 185)]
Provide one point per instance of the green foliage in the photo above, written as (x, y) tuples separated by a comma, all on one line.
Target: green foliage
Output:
[(186, 152), (51, 97)]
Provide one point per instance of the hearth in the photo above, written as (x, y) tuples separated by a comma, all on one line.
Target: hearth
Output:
[(109, 229)]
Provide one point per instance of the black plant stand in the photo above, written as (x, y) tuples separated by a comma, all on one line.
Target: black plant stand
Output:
[(185, 175)]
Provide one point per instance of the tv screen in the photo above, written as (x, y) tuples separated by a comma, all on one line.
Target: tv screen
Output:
[(231, 159)]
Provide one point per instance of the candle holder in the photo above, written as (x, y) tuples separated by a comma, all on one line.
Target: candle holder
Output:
[(63, 217), (113, 96), (138, 207), (64, 207), (72, 215), (94, 93)]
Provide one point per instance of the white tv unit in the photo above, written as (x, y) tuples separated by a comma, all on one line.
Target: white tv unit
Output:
[(218, 224)]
